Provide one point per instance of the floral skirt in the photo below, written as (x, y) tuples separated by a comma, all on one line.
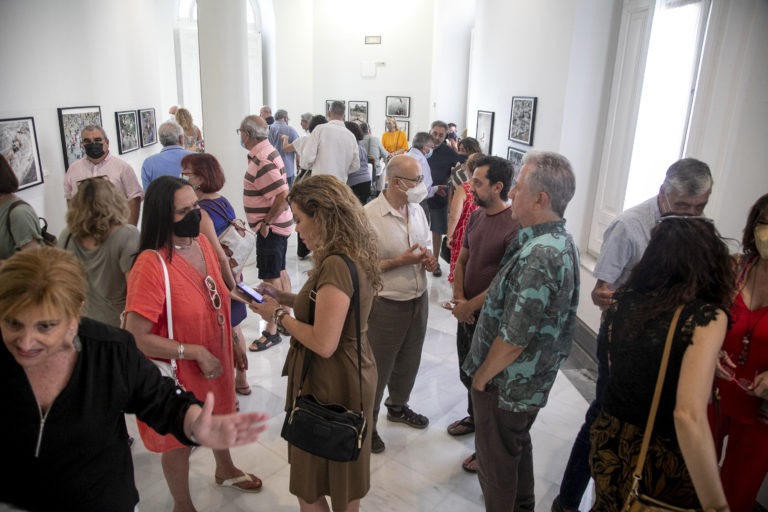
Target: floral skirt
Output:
[(613, 456)]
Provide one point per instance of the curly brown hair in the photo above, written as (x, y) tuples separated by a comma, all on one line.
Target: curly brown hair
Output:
[(95, 209), (342, 226)]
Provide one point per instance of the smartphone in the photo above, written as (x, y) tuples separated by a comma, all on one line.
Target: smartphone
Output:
[(250, 292)]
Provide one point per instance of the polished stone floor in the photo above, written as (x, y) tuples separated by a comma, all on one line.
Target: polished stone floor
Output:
[(420, 469)]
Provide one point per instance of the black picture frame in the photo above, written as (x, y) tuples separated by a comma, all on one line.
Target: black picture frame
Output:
[(522, 119), (515, 156), (405, 126), (328, 104), (398, 106), (127, 122), (484, 131), (18, 144), (357, 111), (148, 127), (72, 120)]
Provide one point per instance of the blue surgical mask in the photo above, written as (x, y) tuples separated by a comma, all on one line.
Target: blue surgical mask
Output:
[(429, 154)]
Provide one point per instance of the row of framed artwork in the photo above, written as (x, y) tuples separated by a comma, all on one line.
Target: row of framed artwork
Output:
[(396, 106), (18, 138), (521, 122)]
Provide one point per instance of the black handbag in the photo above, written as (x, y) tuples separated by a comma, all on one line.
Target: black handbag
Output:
[(445, 251), (330, 431)]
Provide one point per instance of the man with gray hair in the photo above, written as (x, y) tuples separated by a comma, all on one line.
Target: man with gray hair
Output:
[(685, 191), (168, 161), (422, 147), (276, 131), (265, 112), (98, 161), (524, 331), (265, 198), (306, 117), (331, 148)]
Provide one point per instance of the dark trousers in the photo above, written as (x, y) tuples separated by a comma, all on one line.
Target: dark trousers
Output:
[(464, 333), (577, 473), (396, 332), (362, 191), (504, 454)]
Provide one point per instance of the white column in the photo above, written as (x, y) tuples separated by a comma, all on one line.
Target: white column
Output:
[(223, 44)]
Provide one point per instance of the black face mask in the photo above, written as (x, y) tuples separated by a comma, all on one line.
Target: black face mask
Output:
[(94, 149), (189, 225)]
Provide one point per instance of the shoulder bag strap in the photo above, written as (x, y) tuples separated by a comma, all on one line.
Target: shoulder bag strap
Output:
[(167, 304), (218, 208), (638, 474), (8, 218), (356, 305)]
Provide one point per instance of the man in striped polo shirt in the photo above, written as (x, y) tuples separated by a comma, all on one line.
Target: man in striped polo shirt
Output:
[(265, 193)]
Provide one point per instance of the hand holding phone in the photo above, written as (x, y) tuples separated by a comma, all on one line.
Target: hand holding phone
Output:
[(250, 292)]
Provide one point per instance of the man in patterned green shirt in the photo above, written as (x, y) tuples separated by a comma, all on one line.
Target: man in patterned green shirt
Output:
[(524, 331)]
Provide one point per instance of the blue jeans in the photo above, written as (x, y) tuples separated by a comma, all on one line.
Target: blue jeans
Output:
[(577, 472)]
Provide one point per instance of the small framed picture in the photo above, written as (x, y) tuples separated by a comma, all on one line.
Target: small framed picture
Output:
[(148, 125), (328, 104), (18, 144), (484, 133), (404, 126), (398, 106), (72, 120), (515, 156), (127, 131), (522, 118), (357, 111)]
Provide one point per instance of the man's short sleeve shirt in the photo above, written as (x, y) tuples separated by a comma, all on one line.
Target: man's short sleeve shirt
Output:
[(117, 170)]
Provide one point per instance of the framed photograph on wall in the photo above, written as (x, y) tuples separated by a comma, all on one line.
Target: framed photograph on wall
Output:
[(148, 127), (18, 144), (127, 131), (72, 120), (357, 111), (399, 106), (328, 104), (522, 119), (484, 132), (405, 126), (515, 156)]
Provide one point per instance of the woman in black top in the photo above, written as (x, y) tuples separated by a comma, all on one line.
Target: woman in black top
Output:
[(686, 263)]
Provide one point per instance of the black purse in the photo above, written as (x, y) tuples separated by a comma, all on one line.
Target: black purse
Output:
[(330, 431), (445, 251)]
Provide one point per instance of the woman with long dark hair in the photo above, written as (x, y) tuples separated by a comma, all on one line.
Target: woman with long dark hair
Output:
[(201, 346), (686, 263)]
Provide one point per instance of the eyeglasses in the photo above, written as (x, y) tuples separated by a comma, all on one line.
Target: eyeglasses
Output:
[(687, 217), (213, 292), (419, 179), (240, 130)]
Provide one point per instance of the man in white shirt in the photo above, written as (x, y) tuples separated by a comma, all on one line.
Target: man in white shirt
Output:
[(398, 320), (99, 162), (331, 148)]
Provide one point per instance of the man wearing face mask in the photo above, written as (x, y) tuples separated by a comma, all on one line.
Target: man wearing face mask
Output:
[(265, 198), (398, 320), (100, 162), (685, 191), (422, 148)]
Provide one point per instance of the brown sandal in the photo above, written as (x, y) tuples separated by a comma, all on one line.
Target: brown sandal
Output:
[(462, 427), (470, 464)]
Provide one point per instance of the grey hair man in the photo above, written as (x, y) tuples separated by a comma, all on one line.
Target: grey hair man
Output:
[(331, 148), (265, 112), (524, 331), (280, 132), (421, 149), (685, 191), (265, 198), (98, 161), (168, 161), (306, 117), (398, 320)]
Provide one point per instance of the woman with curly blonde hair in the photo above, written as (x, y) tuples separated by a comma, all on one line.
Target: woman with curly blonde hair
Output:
[(99, 235), (331, 221), (193, 137)]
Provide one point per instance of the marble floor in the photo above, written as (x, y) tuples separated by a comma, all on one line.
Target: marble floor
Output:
[(420, 469)]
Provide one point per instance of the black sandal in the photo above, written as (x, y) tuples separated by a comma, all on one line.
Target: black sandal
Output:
[(270, 340), (405, 415)]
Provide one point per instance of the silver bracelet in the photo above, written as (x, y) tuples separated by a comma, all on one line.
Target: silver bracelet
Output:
[(180, 354)]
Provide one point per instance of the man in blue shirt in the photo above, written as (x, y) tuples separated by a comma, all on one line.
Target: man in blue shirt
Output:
[(276, 131), (168, 161), (524, 331)]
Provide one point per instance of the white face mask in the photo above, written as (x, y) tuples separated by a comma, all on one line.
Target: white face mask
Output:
[(761, 240), (417, 194)]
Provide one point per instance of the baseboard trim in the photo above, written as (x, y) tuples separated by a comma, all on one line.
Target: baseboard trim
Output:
[(586, 339)]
